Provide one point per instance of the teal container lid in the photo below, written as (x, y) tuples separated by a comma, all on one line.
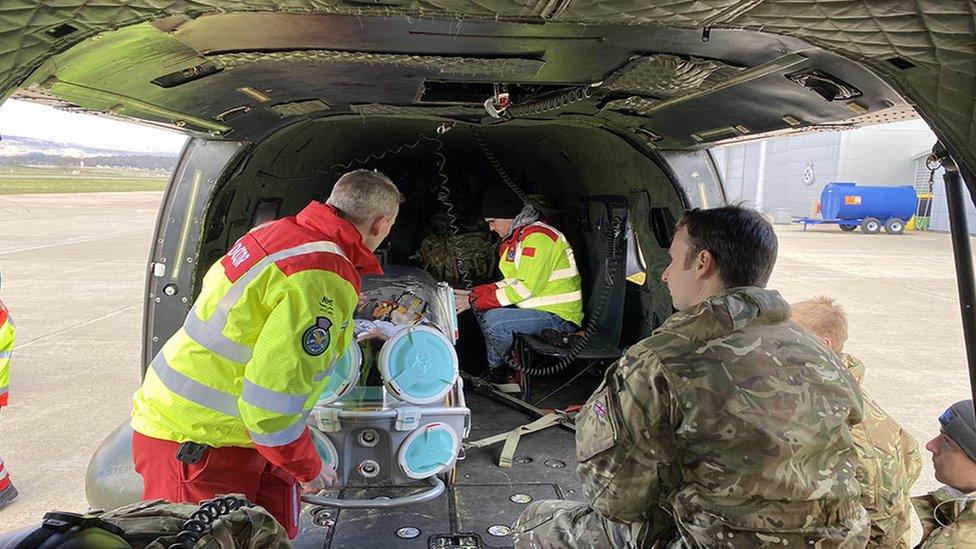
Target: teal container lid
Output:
[(343, 376), (325, 449), (430, 450), (418, 365)]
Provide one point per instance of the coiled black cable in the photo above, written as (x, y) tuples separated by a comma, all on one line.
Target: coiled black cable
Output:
[(443, 194), (555, 102), (201, 520), (612, 231)]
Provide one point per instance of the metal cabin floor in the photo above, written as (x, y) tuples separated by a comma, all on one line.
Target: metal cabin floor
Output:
[(479, 498)]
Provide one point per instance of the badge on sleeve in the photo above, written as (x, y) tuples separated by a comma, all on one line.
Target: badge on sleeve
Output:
[(316, 338)]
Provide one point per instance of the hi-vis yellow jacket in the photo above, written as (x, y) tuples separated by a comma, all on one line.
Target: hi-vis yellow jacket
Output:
[(6, 351), (540, 273), (254, 353)]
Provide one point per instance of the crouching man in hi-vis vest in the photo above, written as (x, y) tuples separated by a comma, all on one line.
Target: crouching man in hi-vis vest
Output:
[(223, 405)]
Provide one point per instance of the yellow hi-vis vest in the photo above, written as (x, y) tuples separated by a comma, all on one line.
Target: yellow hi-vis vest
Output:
[(254, 353), (6, 352), (540, 273)]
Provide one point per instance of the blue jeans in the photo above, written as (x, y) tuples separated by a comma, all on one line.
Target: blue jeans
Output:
[(500, 324)]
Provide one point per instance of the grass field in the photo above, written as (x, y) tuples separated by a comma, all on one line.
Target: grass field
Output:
[(40, 185), (48, 180)]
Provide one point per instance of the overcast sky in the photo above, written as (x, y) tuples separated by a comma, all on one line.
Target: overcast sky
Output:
[(36, 121)]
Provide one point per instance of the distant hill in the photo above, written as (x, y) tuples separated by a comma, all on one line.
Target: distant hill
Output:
[(25, 151)]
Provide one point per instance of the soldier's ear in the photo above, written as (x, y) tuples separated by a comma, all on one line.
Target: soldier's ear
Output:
[(704, 264)]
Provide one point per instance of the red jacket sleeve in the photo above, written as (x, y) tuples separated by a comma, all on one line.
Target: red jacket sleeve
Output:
[(486, 299), (298, 458)]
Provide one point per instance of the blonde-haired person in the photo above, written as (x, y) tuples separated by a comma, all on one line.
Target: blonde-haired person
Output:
[(888, 455)]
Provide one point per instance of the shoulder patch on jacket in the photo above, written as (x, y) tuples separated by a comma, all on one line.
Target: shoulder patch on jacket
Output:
[(316, 338), (245, 254)]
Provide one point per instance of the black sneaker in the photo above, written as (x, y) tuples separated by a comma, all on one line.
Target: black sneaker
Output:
[(7, 496), (497, 375)]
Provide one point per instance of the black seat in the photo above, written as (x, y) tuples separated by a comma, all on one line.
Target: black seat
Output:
[(603, 222)]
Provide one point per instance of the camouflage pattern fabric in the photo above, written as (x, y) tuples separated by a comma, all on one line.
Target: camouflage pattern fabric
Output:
[(558, 524), (889, 464), (246, 528), (733, 421), (438, 255), (948, 519)]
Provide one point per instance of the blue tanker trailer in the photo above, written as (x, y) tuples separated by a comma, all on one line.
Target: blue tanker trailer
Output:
[(869, 207)]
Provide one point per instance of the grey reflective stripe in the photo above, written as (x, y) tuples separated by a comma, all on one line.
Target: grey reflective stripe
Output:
[(502, 297), (192, 390), (521, 289), (273, 401), (209, 333), (551, 300), (282, 437), (214, 341), (6, 354), (4, 390), (563, 274)]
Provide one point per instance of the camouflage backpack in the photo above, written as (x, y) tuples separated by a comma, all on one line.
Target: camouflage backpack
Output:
[(227, 522)]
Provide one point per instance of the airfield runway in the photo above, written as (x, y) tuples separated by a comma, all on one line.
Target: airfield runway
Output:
[(73, 274)]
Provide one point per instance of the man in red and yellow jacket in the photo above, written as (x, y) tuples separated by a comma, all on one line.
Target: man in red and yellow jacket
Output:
[(222, 408), (7, 491), (540, 288)]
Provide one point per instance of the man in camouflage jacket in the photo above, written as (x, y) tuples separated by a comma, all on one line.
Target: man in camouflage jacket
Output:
[(948, 514), (728, 427), (888, 459)]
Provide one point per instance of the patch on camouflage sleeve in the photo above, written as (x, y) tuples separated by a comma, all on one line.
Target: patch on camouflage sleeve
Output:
[(600, 408)]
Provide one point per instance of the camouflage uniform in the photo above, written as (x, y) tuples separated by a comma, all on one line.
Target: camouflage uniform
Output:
[(728, 427), (889, 466), (948, 519)]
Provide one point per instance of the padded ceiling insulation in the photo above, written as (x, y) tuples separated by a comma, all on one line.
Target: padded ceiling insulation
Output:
[(668, 75), (923, 47), (504, 69)]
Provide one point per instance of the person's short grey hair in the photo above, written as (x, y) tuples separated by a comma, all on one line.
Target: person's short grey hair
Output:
[(363, 195)]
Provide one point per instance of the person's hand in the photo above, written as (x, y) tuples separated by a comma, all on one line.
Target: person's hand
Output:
[(326, 477), (461, 300)]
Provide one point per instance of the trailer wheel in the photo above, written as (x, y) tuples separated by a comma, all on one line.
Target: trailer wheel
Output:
[(895, 226), (848, 228), (871, 225)]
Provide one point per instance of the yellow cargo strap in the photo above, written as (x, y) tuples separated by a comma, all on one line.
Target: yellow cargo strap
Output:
[(512, 437)]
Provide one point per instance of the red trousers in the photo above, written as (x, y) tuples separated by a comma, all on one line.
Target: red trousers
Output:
[(229, 470)]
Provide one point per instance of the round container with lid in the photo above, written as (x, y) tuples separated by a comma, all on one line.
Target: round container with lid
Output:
[(419, 365), (429, 450)]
